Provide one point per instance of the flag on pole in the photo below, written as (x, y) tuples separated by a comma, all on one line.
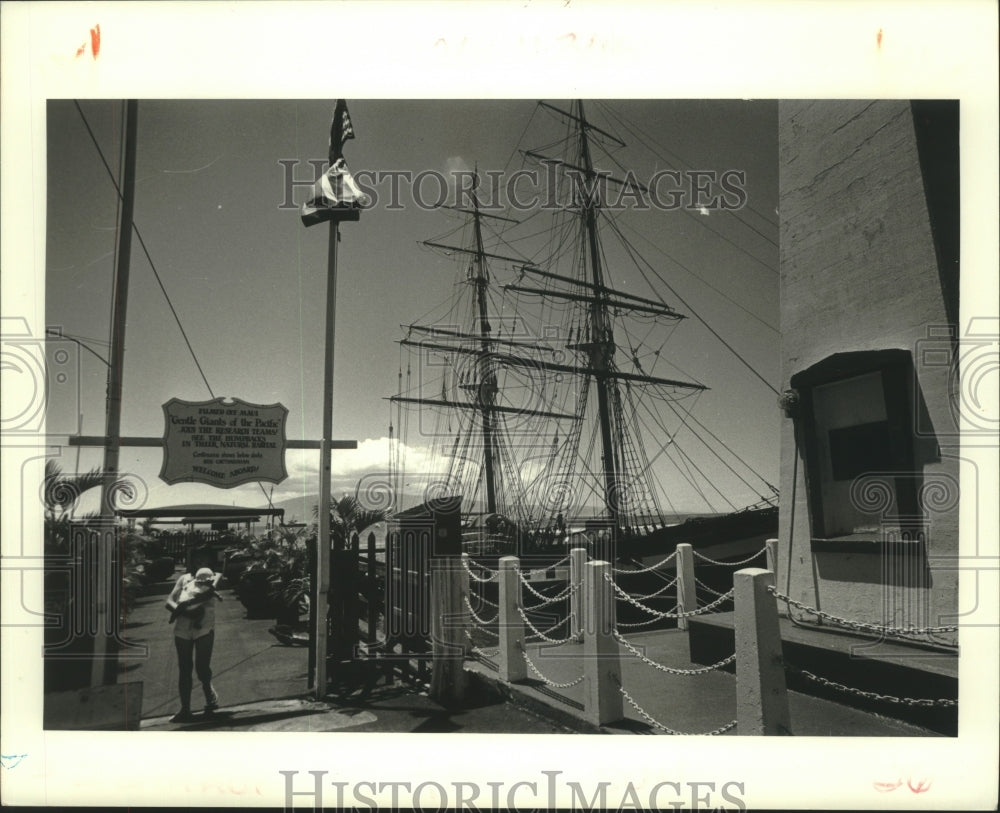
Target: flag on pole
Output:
[(341, 129), (336, 196)]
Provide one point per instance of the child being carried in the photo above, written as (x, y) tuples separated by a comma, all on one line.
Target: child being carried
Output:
[(195, 595)]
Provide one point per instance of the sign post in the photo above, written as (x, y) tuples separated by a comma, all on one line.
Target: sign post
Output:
[(106, 617)]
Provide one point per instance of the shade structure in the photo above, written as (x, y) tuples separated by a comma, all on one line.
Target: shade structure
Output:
[(203, 512)]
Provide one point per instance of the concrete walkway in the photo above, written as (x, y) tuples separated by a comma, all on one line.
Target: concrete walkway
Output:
[(687, 704), (248, 663), (262, 685)]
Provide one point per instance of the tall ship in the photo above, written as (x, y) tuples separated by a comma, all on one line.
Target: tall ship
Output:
[(544, 395)]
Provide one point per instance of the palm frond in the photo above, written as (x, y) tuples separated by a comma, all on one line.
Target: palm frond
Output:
[(61, 491)]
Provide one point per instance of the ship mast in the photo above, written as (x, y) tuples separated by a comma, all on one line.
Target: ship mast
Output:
[(602, 346), (487, 384), (620, 467), (623, 476), (483, 344)]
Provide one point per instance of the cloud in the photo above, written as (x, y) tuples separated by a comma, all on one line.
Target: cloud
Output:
[(456, 163), (372, 454), (348, 467), (367, 465), (455, 166)]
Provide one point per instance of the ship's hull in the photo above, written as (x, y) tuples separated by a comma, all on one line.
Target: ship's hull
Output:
[(723, 537)]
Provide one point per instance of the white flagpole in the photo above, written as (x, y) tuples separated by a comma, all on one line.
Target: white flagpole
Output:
[(323, 544)]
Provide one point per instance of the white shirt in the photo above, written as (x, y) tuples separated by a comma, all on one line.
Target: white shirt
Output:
[(190, 626)]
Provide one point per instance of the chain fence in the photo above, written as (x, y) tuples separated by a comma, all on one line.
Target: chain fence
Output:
[(943, 702), (543, 635), (570, 590), (746, 561), (671, 670), (646, 623), (486, 653), (656, 723), (487, 601), (476, 618), (546, 680), (650, 569), (679, 614), (704, 586), (493, 578), (658, 593), (861, 626)]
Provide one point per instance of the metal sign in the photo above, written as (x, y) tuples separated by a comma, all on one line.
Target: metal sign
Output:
[(223, 443)]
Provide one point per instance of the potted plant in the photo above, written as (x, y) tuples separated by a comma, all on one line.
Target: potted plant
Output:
[(289, 585), (253, 588)]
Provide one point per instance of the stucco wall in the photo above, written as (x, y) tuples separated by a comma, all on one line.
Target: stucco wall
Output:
[(859, 272)]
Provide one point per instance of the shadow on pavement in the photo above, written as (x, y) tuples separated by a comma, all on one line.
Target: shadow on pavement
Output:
[(233, 720)]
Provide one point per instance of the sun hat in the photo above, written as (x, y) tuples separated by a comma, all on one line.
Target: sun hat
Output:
[(204, 574)]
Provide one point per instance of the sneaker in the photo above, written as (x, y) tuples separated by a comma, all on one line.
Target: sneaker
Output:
[(183, 716), (212, 703)]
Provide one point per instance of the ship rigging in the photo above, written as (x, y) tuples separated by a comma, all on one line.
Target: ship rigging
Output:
[(544, 411)]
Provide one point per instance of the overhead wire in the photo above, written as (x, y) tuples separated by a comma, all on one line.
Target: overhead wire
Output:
[(149, 259), (700, 318), (639, 132), (145, 250)]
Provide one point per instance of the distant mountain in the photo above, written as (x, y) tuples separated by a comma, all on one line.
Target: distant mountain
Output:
[(299, 509)]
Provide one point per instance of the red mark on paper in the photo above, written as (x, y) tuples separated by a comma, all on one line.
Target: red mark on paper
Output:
[(878, 38), (916, 786), (95, 43)]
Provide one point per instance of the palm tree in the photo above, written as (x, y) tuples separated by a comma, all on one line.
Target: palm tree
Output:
[(60, 494), (348, 519)]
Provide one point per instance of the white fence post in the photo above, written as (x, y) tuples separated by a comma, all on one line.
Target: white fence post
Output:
[(466, 603), (602, 700), (512, 666), (687, 596), (761, 694), (577, 561), (771, 558)]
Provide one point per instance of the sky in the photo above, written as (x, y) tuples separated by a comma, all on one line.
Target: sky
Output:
[(247, 280)]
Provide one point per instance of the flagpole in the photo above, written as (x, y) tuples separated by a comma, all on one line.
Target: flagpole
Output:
[(106, 589), (329, 200), (320, 631)]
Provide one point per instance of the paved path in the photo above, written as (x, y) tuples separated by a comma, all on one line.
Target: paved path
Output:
[(688, 704), (263, 685), (248, 663)]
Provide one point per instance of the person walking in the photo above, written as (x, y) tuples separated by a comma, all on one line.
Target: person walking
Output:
[(192, 612)]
